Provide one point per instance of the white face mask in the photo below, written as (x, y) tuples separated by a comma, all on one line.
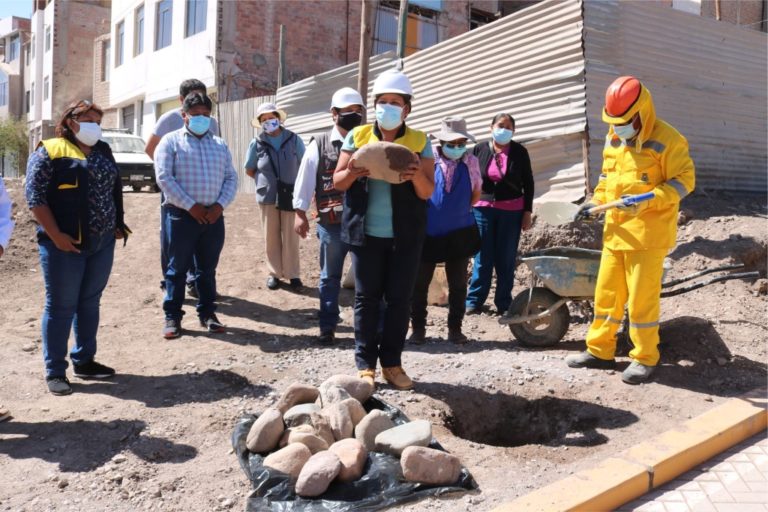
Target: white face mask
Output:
[(624, 131), (89, 133)]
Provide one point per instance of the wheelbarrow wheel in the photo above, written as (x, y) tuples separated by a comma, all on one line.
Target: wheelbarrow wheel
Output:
[(544, 332)]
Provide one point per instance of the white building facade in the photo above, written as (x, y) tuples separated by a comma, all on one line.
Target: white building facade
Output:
[(155, 45)]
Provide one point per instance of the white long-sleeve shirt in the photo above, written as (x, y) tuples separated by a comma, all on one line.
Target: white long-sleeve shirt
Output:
[(6, 224), (306, 180)]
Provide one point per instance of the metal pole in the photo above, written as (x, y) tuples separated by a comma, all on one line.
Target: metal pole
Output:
[(402, 29), (366, 32), (281, 59)]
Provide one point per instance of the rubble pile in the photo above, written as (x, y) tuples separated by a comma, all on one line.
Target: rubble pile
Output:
[(318, 435)]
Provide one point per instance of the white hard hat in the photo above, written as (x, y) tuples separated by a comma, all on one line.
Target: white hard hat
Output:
[(265, 108), (392, 81), (345, 97)]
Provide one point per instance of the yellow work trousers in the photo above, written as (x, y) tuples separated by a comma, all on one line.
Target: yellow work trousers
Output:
[(630, 278), (281, 242)]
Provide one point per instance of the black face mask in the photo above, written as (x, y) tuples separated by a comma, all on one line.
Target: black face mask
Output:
[(349, 120)]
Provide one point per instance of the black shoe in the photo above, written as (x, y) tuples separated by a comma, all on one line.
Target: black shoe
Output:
[(472, 310), (172, 329), (212, 323), (273, 283), (58, 385), (587, 360), (418, 336), (192, 290), (296, 284), (93, 370), (326, 338)]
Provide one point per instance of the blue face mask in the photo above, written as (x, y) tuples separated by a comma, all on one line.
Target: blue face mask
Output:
[(624, 131), (502, 135), (199, 125), (270, 125), (453, 153), (389, 116)]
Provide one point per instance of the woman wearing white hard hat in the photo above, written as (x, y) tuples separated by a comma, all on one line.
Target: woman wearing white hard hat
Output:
[(273, 160), (315, 180), (385, 225)]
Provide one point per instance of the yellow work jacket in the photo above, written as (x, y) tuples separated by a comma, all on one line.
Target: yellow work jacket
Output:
[(655, 160)]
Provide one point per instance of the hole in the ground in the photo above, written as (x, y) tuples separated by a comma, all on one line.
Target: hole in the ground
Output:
[(503, 420)]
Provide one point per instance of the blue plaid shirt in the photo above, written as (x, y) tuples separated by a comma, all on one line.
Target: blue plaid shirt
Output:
[(192, 170)]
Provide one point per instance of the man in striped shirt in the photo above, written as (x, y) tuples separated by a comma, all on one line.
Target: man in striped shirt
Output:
[(194, 170)]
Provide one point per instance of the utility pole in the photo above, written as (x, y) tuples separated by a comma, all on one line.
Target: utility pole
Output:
[(281, 59), (367, 20), (402, 28)]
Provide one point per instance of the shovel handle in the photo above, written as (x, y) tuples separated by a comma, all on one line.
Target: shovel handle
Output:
[(627, 201)]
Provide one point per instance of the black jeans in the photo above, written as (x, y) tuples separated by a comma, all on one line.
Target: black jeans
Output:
[(383, 270), (456, 273)]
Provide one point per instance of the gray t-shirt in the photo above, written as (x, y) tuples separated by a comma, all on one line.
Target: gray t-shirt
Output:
[(172, 121)]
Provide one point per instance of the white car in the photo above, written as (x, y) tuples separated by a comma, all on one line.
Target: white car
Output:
[(136, 168)]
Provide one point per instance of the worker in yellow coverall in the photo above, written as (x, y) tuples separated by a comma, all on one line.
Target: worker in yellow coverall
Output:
[(642, 154)]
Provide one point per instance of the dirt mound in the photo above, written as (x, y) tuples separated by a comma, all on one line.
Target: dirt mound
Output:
[(23, 247), (587, 235)]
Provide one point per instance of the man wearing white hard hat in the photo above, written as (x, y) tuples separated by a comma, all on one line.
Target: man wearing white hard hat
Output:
[(315, 179), (385, 226), (273, 160)]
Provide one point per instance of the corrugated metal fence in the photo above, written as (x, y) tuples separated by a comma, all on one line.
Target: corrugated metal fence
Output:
[(708, 79), (235, 125)]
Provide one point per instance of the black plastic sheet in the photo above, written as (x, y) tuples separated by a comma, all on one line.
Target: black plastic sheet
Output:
[(381, 486)]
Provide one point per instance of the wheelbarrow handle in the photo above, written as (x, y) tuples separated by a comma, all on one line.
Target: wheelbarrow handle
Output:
[(627, 201)]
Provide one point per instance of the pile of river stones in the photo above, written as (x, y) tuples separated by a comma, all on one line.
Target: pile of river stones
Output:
[(322, 434)]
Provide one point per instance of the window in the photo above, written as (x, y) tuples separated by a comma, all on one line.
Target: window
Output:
[(46, 87), (478, 18), (435, 5), (13, 51), (27, 51), (3, 89), (128, 118), (196, 14), (421, 31), (32, 47), (119, 42), (141, 117), (163, 24), (32, 93), (138, 31), (106, 61), (26, 102), (47, 38)]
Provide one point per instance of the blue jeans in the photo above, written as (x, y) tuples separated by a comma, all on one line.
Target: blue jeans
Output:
[(189, 242), (384, 271), (164, 250), (73, 286), (332, 254), (499, 238)]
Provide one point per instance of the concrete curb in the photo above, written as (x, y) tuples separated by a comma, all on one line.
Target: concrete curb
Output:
[(646, 466)]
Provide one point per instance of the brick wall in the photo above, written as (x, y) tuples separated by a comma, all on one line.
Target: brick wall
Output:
[(747, 13), (101, 87), (321, 35)]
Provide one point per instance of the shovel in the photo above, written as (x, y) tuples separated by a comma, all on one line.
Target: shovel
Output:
[(556, 214)]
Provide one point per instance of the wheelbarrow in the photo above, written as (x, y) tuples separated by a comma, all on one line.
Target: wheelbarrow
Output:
[(539, 316)]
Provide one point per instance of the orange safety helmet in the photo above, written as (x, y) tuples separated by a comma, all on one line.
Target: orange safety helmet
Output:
[(621, 95)]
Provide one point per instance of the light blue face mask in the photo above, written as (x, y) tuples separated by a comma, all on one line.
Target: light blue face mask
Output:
[(624, 131), (502, 135), (453, 153), (199, 125), (389, 116), (270, 125)]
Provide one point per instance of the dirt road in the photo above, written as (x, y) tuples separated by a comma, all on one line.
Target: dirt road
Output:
[(156, 437)]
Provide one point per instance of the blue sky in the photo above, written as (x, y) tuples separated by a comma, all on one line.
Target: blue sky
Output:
[(21, 8)]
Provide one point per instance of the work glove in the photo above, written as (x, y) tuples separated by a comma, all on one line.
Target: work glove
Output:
[(583, 212)]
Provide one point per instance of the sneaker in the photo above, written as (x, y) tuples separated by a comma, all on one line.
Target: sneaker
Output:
[(4, 413), (637, 373), (397, 378), (212, 323), (418, 336), (456, 336), (93, 370), (326, 338), (192, 291), (472, 310), (587, 360), (172, 329), (296, 284), (273, 283), (58, 385), (368, 375)]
